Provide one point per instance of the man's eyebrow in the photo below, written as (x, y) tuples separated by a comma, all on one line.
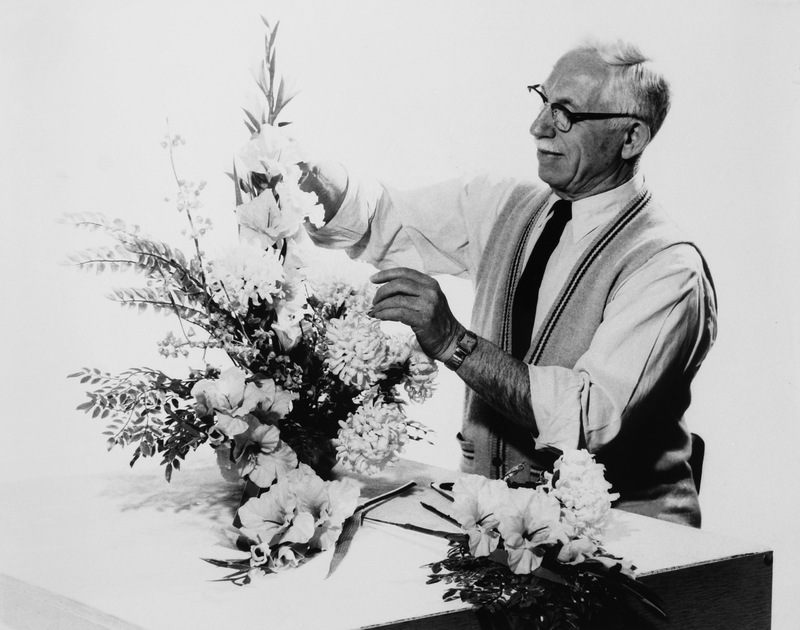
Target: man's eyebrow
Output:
[(561, 101)]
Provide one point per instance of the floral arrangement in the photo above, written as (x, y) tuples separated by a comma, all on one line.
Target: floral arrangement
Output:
[(533, 556), (311, 378)]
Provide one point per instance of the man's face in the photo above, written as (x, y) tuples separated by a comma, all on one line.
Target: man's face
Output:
[(587, 159)]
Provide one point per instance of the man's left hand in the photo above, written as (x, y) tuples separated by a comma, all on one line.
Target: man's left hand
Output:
[(417, 300)]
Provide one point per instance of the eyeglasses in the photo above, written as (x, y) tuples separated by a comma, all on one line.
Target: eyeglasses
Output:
[(563, 119)]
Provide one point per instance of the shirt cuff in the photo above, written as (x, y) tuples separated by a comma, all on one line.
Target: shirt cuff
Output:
[(352, 220), (556, 396)]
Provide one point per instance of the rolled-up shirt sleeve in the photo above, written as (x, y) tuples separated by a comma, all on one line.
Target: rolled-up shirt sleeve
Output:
[(438, 229), (661, 319)]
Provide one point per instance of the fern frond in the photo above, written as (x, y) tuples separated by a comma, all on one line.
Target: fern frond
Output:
[(100, 259), (93, 221), (174, 302)]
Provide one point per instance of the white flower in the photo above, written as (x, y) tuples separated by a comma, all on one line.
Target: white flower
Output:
[(336, 291), (298, 202), (287, 326), (270, 151), (477, 506), (371, 437), (257, 454), (246, 274), (356, 349), (420, 378), (529, 523), (267, 518), (399, 349), (299, 510), (577, 550), (580, 485), (267, 467), (231, 398), (263, 223)]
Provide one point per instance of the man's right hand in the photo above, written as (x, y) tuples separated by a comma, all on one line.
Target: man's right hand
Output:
[(329, 181)]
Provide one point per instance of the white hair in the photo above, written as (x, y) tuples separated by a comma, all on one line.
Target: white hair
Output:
[(635, 84)]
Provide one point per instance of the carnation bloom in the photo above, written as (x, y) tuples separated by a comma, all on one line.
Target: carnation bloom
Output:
[(355, 349), (246, 274), (528, 524), (580, 485), (371, 437), (477, 506)]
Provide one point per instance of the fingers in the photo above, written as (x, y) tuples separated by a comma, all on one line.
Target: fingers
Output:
[(415, 299), (404, 281), (409, 310), (402, 273)]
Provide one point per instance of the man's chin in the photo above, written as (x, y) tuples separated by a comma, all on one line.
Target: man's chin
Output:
[(549, 175)]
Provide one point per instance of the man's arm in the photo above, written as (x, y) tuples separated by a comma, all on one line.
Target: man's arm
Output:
[(659, 325), (439, 228), (417, 300), (329, 181)]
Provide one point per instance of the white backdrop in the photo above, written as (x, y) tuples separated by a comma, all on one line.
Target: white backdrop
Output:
[(413, 92)]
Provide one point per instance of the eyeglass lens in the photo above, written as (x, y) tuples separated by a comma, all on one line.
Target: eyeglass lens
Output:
[(561, 119)]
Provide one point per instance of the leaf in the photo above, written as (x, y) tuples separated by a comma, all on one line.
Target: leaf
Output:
[(238, 192), (349, 529), (256, 124), (353, 522), (275, 32)]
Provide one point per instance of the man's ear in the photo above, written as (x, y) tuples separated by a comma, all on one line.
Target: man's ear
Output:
[(637, 137)]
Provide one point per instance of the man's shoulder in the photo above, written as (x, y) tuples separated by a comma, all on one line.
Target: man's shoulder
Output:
[(502, 185)]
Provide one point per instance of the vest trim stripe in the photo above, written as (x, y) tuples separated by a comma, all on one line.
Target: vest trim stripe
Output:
[(624, 218), (513, 277)]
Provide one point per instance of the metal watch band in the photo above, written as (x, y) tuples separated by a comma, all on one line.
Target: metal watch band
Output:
[(464, 348)]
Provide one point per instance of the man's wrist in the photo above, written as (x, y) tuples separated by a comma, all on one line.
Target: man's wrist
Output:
[(461, 349)]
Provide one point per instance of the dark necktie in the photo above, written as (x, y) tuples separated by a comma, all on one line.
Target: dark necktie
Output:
[(523, 311)]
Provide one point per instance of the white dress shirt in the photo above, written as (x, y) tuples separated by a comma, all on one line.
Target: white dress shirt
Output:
[(657, 316)]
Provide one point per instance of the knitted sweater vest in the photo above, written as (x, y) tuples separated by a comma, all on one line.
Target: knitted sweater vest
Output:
[(648, 462)]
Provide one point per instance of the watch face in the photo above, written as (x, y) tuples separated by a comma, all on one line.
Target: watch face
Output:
[(464, 348)]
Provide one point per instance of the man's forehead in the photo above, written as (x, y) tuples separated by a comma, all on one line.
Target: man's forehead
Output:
[(578, 77)]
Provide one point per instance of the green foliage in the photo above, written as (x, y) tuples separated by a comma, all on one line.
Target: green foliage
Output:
[(558, 597), (149, 409), (274, 88)]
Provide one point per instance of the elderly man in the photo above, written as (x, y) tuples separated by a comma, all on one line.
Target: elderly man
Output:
[(592, 312)]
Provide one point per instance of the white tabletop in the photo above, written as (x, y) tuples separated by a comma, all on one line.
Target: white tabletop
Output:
[(126, 550)]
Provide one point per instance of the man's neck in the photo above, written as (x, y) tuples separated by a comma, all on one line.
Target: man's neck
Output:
[(618, 178)]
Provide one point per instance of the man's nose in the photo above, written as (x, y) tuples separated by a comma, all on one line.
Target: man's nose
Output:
[(542, 126)]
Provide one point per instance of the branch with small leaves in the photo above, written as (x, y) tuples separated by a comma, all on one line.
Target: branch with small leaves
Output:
[(148, 409)]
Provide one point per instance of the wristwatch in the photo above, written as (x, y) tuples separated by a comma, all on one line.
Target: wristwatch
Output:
[(464, 348)]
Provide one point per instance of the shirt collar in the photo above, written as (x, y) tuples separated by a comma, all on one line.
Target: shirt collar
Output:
[(590, 213)]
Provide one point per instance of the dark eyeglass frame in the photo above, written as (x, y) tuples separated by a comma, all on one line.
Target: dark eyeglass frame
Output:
[(573, 117)]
